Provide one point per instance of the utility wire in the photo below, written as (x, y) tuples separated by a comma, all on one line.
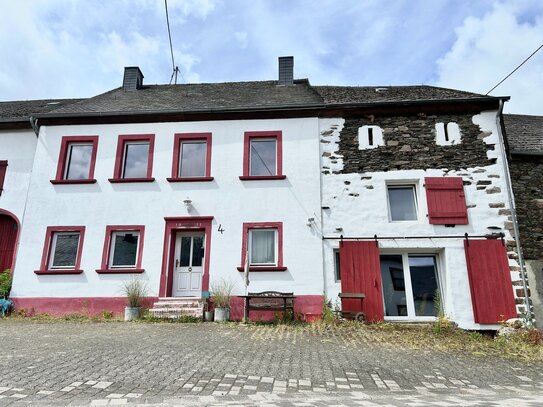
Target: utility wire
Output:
[(175, 68), (514, 70)]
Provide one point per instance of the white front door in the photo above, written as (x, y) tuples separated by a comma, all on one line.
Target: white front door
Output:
[(188, 265)]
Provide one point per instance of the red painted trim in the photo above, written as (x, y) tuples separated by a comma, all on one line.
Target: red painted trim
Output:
[(90, 306), (179, 138), (261, 177), (263, 225), (193, 179), (63, 156), (3, 169), (123, 180), (16, 247), (249, 135), (446, 201), (181, 224), (107, 246), (51, 230), (123, 139)]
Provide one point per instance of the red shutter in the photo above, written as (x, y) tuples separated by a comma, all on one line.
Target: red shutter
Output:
[(361, 273), (3, 166), (490, 281), (8, 236), (446, 201)]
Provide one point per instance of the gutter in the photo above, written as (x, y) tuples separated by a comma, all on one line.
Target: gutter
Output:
[(501, 135)]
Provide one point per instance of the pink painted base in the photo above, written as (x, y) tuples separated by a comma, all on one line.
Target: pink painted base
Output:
[(308, 307)]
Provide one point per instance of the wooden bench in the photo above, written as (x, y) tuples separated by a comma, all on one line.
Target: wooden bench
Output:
[(268, 301), (356, 315)]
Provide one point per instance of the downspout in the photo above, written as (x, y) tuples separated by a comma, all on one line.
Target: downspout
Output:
[(499, 121), (34, 125)]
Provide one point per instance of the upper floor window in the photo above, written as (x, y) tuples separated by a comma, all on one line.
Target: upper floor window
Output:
[(134, 161), (3, 168), (447, 134), (76, 160), (192, 157), (62, 250), (370, 137), (402, 202), (263, 156)]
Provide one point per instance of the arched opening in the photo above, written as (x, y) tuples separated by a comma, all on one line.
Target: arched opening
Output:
[(9, 233)]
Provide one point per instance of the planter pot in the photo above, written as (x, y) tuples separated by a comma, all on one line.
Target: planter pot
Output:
[(131, 313), (209, 316), (222, 314)]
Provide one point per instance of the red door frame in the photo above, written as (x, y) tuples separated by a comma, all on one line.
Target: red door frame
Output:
[(16, 246), (183, 224)]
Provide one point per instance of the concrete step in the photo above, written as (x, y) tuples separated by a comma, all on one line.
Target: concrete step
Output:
[(177, 304)]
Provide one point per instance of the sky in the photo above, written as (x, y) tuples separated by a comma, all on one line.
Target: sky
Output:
[(69, 48)]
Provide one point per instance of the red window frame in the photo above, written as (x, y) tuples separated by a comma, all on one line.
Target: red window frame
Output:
[(110, 229), (179, 139), (251, 135), (263, 225), (46, 255), (3, 169), (63, 159), (126, 138)]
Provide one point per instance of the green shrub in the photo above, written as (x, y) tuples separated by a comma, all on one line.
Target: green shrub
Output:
[(5, 283)]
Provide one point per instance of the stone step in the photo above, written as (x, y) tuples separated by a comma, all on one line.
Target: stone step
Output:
[(177, 304), (176, 312)]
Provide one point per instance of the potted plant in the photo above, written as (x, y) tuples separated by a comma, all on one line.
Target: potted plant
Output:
[(135, 291), (221, 294), (6, 305)]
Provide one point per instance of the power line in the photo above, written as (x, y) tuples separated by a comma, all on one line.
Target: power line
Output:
[(175, 68), (514, 70)]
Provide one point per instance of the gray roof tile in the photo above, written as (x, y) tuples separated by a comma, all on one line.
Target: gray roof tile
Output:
[(23, 109), (524, 133)]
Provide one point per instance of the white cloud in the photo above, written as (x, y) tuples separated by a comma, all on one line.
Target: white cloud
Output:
[(488, 48)]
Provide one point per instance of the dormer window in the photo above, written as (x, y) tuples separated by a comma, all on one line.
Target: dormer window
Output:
[(370, 137), (447, 134)]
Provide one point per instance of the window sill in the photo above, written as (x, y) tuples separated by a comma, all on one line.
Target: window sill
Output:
[(120, 271), (120, 180), (73, 181), (261, 177), (190, 179), (53, 272), (264, 268)]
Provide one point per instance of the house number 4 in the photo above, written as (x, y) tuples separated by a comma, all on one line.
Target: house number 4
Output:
[(220, 229)]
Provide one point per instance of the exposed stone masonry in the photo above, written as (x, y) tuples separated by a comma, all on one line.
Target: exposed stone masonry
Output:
[(527, 177), (410, 143)]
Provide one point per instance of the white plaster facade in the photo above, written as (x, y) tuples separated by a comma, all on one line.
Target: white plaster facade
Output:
[(356, 205), (228, 199)]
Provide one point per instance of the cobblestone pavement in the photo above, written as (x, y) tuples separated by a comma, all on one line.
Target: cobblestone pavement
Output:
[(117, 363)]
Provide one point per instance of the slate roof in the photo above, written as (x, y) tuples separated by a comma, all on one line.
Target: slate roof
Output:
[(22, 109), (379, 94), (524, 133)]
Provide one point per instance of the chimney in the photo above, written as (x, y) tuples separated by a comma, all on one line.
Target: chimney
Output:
[(133, 78), (286, 71)]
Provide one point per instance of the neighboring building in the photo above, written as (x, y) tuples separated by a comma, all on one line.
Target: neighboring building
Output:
[(525, 136), (178, 183)]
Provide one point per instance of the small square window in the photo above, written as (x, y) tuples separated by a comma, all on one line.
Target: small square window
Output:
[(62, 250), (76, 160), (262, 158), (134, 162), (191, 157), (402, 202), (262, 247), (123, 248)]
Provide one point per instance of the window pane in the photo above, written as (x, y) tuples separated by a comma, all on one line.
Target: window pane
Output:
[(65, 250), (337, 265), (193, 159), (263, 247), (402, 203), (393, 285), (424, 283), (125, 249), (136, 157), (263, 157), (79, 161), (197, 251), (184, 261)]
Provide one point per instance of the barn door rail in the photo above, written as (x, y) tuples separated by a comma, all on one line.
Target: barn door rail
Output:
[(490, 236)]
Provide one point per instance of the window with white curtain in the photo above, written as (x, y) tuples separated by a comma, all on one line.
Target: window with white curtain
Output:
[(263, 247)]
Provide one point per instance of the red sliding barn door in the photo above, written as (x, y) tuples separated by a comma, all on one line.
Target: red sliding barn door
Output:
[(446, 200), (490, 281), (8, 236), (361, 273)]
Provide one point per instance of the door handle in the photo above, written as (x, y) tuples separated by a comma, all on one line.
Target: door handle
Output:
[(176, 263)]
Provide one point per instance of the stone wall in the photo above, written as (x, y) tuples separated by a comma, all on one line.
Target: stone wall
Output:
[(527, 179), (410, 143)]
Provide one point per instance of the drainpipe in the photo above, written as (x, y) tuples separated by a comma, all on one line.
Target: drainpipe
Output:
[(499, 121), (34, 125)]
